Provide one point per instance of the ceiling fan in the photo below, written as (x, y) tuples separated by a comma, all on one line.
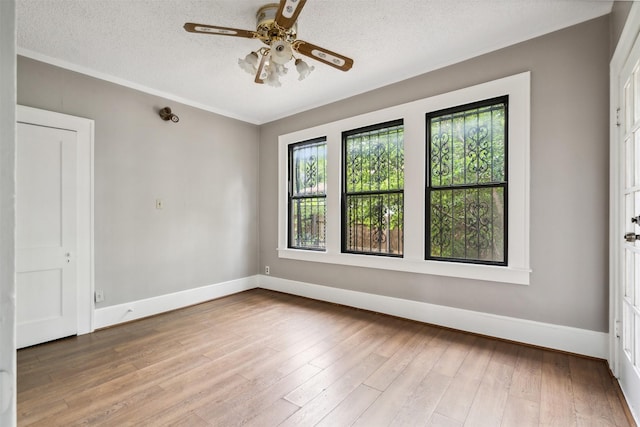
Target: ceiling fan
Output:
[(276, 27)]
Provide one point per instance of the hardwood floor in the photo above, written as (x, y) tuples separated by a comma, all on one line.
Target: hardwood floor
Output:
[(262, 358)]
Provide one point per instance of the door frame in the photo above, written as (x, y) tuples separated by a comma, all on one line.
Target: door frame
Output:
[(84, 129), (630, 33)]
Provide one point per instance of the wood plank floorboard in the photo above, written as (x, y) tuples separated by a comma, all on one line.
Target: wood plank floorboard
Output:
[(262, 358)]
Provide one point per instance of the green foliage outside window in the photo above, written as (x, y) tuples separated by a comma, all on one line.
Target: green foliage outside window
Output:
[(307, 194), (373, 174), (467, 183)]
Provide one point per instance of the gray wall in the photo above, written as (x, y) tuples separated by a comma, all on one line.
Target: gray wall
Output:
[(569, 184), (204, 168)]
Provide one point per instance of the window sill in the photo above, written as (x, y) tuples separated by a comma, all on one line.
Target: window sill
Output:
[(509, 274)]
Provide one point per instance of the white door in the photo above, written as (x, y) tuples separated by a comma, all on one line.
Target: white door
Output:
[(46, 234), (628, 304)]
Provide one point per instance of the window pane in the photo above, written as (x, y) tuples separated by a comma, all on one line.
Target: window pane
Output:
[(307, 194), (308, 223), (467, 224), (468, 147), (374, 223), (373, 174), (467, 182), (375, 160), (309, 169)]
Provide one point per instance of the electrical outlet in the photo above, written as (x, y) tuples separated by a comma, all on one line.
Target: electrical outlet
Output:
[(267, 270), (99, 297)]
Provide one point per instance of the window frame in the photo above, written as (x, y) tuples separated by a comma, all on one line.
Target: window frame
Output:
[(518, 271), (291, 196), (346, 194), (504, 184)]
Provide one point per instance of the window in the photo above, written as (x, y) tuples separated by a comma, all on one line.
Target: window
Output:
[(373, 197), (307, 194), (466, 195), (387, 201)]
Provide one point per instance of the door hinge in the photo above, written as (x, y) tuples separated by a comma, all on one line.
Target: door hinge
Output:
[(616, 328), (618, 117)]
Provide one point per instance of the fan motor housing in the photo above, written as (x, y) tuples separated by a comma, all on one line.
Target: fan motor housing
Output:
[(267, 28)]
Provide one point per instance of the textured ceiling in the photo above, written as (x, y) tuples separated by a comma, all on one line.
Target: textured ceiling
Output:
[(141, 44)]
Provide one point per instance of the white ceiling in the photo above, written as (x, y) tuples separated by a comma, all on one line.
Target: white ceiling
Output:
[(141, 44)]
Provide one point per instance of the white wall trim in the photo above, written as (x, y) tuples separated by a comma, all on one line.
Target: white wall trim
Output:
[(115, 314), (558, 337), (129, 84)]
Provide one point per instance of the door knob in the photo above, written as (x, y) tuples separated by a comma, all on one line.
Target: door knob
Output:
[(636, 219), (631, 237)]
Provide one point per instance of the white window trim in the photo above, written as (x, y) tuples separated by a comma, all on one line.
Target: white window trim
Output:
[(517, 271)]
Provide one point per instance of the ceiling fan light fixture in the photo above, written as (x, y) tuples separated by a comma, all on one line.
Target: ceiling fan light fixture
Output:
[(273, 78), (303, 69), (265, 20), (277, 28), (280, 70), (249, 63), (281, 52)]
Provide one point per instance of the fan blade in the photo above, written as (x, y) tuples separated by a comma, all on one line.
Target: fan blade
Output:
[(324, 55), (221, 31), (288, 12), (261, 74)]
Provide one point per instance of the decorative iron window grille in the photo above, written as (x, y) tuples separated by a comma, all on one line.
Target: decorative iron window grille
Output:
[(307, 194), (373, 190), (466, 195)]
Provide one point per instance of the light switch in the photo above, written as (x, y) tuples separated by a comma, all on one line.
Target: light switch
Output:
[(159, 204)]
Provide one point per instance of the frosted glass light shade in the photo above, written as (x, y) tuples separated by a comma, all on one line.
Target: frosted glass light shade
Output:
[(281, 52), (303, 69), (272, 79), (249, 63)]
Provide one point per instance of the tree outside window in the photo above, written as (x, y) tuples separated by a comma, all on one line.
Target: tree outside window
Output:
[(373, 190), (466, 195), (307, 194)]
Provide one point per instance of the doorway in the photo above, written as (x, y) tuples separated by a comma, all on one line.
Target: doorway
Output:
[(625, 212), (54, 226)]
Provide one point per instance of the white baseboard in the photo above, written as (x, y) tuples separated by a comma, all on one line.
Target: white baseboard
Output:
[(564, 338), (112, 315), (558, 337)]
